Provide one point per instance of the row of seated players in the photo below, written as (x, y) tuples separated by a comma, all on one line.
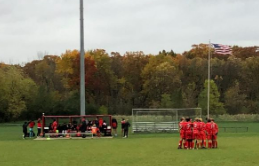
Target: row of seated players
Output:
[(74, 127), (197, 133)]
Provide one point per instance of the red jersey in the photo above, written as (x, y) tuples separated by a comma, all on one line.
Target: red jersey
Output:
[(215, 128), (201, 126), (181, 125), (209, 128), (100, 122), (188, 130), (196, 125), (54, 125), (39, 125), (31, 124), (184, 124), (188, 126), (114, 124), (181, 129)]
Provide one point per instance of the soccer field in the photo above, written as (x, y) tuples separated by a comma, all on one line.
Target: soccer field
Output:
[(235, 149)]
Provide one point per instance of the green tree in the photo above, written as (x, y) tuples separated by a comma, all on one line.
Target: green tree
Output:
[(216, 107), (16, 90), (103, 110), (166, 101)]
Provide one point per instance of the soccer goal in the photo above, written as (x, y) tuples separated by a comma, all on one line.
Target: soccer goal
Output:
[(160, 119)]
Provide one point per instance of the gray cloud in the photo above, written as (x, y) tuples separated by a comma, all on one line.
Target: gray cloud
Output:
[(28, 26)]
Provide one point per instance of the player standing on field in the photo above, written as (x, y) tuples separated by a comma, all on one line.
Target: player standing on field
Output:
[(182, 133), (114, 126), (209, 128), (39, 127), (24, 129), (122, 127), (54, 125), (214, 134), (31, 125), (202, 134), (126, 128), (189, 133), (196, 132)]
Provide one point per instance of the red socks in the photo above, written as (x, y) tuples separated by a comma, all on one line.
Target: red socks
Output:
[(186, 145), (209, 144), (204, 143)]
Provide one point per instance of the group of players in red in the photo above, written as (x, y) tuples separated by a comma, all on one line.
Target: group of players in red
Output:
[(194, 134)]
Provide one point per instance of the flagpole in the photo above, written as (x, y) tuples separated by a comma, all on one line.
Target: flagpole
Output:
[(208, 95)]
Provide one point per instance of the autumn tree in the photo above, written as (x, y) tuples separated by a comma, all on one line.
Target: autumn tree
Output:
[(194, 75), (106, 80), (198, 50), (244, 52), (133, 64), (160, 76), (69, 67)]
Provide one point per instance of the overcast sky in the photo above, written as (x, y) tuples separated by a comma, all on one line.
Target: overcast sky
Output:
[(30, 28)]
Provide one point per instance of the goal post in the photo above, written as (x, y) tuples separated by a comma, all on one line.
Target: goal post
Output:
[(160, 119), (189, 112)]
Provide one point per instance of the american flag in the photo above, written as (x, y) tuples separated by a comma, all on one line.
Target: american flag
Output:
[(222, 49)]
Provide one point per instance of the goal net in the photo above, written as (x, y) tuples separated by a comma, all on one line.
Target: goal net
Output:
[(160, 119)]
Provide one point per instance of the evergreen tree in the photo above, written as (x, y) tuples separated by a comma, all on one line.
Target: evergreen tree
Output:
[(216, 107)]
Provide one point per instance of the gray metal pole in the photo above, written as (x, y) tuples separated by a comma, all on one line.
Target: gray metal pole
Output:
[(208, 95), (82, 61)]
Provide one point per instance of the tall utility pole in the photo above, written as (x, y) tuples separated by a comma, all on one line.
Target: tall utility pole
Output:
[(208, 92), (82, 60)]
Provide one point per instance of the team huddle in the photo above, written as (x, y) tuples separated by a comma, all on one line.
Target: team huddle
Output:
[(194, 134)]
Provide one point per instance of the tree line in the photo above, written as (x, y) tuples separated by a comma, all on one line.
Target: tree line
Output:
[(114, 83)]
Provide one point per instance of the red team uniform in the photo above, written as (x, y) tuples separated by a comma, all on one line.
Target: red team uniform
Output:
[(188, 130), (198, 131), (188, 134), (202, 134), (54, 126), (215, 130), (196, 126), (209, 130), (182, 133), (209, 127)]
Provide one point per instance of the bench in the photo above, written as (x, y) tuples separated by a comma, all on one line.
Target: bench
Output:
[(155, 127)]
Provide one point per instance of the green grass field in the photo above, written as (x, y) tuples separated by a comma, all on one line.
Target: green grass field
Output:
[(235, 149)]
